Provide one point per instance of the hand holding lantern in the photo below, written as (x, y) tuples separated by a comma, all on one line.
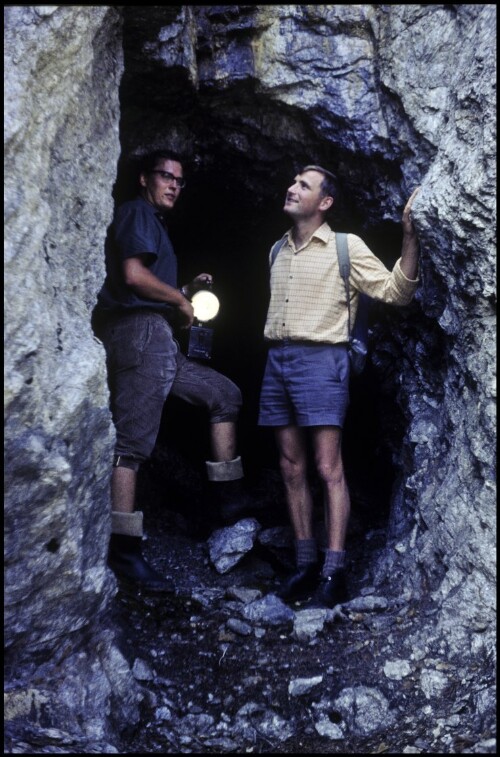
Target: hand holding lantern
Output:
[(206, 306)]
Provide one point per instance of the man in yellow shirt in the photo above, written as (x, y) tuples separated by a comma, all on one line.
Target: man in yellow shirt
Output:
[(305, 389)]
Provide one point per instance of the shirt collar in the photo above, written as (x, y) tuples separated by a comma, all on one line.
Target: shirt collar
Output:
[(322, 233), (160, 216)]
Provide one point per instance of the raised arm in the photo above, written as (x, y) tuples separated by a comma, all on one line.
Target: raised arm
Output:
[(410, 246)]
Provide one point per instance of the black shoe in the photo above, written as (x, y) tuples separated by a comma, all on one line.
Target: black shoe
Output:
[(230, 502), (331, 591), (300, 584), (126, 561)]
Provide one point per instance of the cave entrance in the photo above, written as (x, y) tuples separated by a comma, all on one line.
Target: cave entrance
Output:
[(242, 150), (226, 228)]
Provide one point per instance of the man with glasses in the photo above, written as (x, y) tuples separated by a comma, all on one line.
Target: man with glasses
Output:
[(137, 308)]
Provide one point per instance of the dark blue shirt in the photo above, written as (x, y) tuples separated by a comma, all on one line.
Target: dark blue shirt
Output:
[(137, 229)]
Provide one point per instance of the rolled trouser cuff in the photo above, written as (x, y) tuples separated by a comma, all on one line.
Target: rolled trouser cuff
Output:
[(125, 461), (231, 470), (127, 524)]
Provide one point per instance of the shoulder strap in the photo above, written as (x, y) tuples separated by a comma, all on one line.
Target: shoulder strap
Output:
[(344, 266), (343, 255), (276, 248)]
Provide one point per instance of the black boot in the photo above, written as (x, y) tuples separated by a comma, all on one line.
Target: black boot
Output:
[(301, 584), (229, 500), (331, 591), (125, 556)]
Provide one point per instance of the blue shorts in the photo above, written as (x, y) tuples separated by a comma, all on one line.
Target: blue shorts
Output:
[(305, 384)]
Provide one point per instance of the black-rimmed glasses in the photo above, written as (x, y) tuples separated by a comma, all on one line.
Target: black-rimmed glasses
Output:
[(166, 176)]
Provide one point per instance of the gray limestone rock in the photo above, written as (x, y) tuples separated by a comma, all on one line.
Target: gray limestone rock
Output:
[(391, 96)]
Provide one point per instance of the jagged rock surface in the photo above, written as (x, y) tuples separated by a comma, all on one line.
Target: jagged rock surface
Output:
[(63, 668), (389, 97)]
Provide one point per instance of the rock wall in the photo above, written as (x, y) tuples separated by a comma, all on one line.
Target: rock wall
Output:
[(62, 73), (449, 487), (389, 97)]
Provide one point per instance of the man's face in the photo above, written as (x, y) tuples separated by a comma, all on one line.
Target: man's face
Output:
[(304, 198), (162, 191)]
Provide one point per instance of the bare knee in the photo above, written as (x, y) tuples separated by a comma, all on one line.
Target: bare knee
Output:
[(292, 470), (331, 474)]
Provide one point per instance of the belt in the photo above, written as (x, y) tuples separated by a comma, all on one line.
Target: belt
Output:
[(105, 320), (296, 342), (129, 312)]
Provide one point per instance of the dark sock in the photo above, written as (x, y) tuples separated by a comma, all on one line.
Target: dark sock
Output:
[(333, 561), (306, 551)]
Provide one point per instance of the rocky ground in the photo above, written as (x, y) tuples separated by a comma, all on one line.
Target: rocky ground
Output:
[(226, 667)]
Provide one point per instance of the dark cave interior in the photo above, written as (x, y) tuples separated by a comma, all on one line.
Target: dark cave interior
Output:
[(230, 236), (242, 152)]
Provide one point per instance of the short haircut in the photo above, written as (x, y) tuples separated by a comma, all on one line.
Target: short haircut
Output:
[(148, 162), (329, 185)]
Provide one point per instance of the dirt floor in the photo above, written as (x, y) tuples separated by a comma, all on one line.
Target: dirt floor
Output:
[(215, 684)]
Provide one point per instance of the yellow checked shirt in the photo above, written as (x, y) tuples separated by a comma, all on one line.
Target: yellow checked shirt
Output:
[(308, 300)]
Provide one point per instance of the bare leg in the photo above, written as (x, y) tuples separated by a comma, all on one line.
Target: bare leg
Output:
[(328, 458), (291, 443), (123, 483), (223, 441)]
